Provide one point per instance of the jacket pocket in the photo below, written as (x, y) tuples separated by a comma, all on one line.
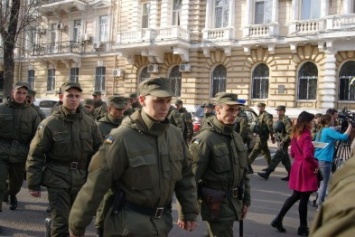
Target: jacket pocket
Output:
[(26, 124), (221, 161), (87, 142), (176, 159), (6, 121), (144, 166), (62, 144)]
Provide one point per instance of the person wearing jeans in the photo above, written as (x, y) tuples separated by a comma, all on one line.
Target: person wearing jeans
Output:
[(327, 134)]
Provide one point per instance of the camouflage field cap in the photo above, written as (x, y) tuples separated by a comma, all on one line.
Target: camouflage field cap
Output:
[(21, 84), (118, 101), (208, 105), (178, 102), (31, 93), (227, 98), (88, 101), (70, 84), (97, 93), (159, 87), (281, 107), (133, 95), (261, 104)]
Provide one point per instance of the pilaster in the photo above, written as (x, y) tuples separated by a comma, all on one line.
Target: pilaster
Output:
[(328, 84)]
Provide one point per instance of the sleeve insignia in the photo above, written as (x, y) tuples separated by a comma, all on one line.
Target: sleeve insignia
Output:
[(109, 140)]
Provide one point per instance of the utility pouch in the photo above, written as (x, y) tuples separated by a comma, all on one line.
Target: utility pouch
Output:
[(118, 202), (213, 199)]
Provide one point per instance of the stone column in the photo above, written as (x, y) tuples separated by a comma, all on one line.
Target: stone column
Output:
[(328, 86), (347, 7), (165, 14), (184, 17), (324, 8), (275, 11)]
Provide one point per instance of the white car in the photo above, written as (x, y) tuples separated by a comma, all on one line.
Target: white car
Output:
[(45, 105)]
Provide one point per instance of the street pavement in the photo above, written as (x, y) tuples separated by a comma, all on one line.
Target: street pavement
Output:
[(267, 199)]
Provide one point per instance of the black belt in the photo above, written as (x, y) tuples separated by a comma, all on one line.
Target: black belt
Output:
[(155, 212), (75, 165), (229, 193)]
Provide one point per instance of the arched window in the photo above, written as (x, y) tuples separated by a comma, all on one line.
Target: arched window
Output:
[(219, 76), (307, 81), (346, 85), (144, 75), (260, 79), (175, 80)]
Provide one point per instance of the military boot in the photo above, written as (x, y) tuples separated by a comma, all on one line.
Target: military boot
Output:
[(48, 223), (250, 170), (99, 232), (265, 174), (13, 202)]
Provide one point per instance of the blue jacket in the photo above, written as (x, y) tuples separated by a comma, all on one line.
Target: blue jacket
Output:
[(329, 135)]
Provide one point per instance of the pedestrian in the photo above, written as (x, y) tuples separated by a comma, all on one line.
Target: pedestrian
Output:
[(18, 124), (144, 161), (303, 176), (100, 106), (327, 134), (112, 119), (31, 94), (187, 118), (264, 130), (282, 131), (59, 155), (220, 167), (336, 216), (316, 124)]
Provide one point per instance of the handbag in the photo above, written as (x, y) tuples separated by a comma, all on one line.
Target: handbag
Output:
[(319, 175)]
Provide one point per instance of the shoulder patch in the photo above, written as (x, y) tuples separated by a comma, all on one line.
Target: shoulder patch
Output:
[(109, 140)]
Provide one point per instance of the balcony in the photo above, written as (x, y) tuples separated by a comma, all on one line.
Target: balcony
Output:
[(218, 34), (60, 49), (48, 6), (307, 27), (341, 22), (261, 31)]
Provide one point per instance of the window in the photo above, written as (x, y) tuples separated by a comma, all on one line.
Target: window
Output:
[(175, 81), (145, 15), (260, 79), (221, 13), (52, 37), (51, 80), (77, 31), (307, 81), (100, 78), (263, 11), (144, 75), (176, 12), (31, 78), (219, 76), (310, 9), (74, 74), (103, 36), (346, 85), (31, 38)]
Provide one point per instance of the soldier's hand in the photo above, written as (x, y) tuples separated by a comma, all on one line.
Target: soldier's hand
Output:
[(244, 212), (35, 193), (187, 225)]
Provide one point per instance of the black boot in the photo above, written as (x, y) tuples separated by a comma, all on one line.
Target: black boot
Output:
[(278, 225), (13, 202), (303, 231), (287, 178), (6, 197), (250, 170), (265, 174), (265, 169), (99, 232)]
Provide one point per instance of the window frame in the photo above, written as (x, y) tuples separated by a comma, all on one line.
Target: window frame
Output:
[(100, 78), (176, 13), (221, 81), (51, 80), (175, 78), (345, 73), (225, 22), (267, 18), (145, 15), (104, 29), (312, 4), (309, 79), (264, 81), (31, 78), (77, 30), (74, 74)]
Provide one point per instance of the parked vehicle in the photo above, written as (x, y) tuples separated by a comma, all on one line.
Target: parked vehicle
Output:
[(45, 105)]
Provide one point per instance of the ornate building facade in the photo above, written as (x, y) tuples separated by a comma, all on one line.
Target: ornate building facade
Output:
[(300, 53)]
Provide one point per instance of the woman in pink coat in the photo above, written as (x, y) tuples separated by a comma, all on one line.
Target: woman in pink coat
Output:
[(303, 176)]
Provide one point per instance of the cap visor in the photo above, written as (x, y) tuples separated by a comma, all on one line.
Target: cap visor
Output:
[(161, 93), (119, 106), (17, 87), (231, 103)]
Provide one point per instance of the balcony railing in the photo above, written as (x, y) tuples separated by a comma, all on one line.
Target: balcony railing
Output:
[(43, 2), (259, 31), (217, 34), (341, 22), (69, 47), (148, 35), (305, 27)]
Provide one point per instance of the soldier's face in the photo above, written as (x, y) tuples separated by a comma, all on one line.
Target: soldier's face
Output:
[(261, 109), (280, 112), (19, 95), (71, 99), (178, 106), (155, 107), (114, 112), (226, 113)]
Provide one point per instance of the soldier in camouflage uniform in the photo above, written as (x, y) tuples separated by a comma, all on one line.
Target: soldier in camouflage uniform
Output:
[(133, 99), (30, 99), (241, 126), (187, 117), (89, 108), (59, 155), (208, 109), (176, 119), (283, 142), (100, 106), (112, 119), (220, 167), (18, 124), (144, 161), (265, 130)]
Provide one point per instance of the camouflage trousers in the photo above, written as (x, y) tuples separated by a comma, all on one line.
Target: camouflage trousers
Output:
[(260, 147)]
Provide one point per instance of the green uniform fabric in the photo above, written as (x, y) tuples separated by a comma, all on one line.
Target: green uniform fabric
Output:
[(105, 125), (100, 108), (18, 124), (187, 118), (336, 216), (148, 161), (176, 119), (220, 162), (39, 111), (56, 107), (283, 140), (206, 117), (265, 121), (129, 112), (61, 139), (241, 126)]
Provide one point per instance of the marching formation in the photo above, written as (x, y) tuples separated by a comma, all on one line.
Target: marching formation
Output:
[(123, 161)]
